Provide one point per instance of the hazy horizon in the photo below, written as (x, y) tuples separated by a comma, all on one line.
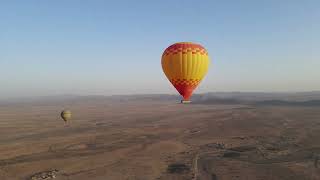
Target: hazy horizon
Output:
[(70, 95), (109, 48)]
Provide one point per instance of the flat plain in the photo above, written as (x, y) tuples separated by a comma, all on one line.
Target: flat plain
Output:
[(146, 139)]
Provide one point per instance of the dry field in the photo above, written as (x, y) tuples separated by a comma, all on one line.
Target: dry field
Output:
[(159, 140)]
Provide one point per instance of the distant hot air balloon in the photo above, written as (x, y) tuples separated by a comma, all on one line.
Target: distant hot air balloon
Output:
[(66, 115), (185, 64)]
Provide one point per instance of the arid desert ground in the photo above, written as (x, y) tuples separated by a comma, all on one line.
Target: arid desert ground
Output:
[(146, 138)]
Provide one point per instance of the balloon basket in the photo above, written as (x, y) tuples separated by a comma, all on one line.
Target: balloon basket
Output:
[(185, 102)]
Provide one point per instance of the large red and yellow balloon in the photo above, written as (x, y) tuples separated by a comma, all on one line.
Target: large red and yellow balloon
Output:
[(185, 64)]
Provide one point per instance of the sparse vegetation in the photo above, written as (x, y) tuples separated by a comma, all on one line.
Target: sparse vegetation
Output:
[(231, 154), (177, 168), (45, 175), (243, 148)]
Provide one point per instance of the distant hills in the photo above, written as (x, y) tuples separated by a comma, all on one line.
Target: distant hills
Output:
[(257, 98), (262, 96), (252, 98), (289, 103)]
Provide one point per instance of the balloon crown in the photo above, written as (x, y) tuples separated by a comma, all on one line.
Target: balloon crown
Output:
[(185, 43)]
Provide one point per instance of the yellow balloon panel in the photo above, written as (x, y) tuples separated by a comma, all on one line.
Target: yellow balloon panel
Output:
[(185, 61)]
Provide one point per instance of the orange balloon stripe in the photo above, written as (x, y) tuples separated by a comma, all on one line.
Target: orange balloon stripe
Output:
[(185, 51), (192, 82), (185, 48), (185, 45)]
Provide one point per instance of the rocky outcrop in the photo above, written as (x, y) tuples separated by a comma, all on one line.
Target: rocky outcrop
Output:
[(45, 175)]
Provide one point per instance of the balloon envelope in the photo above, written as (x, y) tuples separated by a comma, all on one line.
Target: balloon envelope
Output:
[(185, 64), (66, 115)]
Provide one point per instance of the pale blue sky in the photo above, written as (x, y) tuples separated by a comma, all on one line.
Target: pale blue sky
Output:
[(114, 47)]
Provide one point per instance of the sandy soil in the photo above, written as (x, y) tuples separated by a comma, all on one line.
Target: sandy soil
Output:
[(146, 140)]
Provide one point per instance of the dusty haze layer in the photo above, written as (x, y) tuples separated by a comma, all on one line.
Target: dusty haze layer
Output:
[(154, 137)]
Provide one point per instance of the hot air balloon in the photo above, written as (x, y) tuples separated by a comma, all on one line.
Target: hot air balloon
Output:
[(185, 64), (66, 115)]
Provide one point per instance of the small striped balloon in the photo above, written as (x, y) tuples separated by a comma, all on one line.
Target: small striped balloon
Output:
[(66, 115)]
